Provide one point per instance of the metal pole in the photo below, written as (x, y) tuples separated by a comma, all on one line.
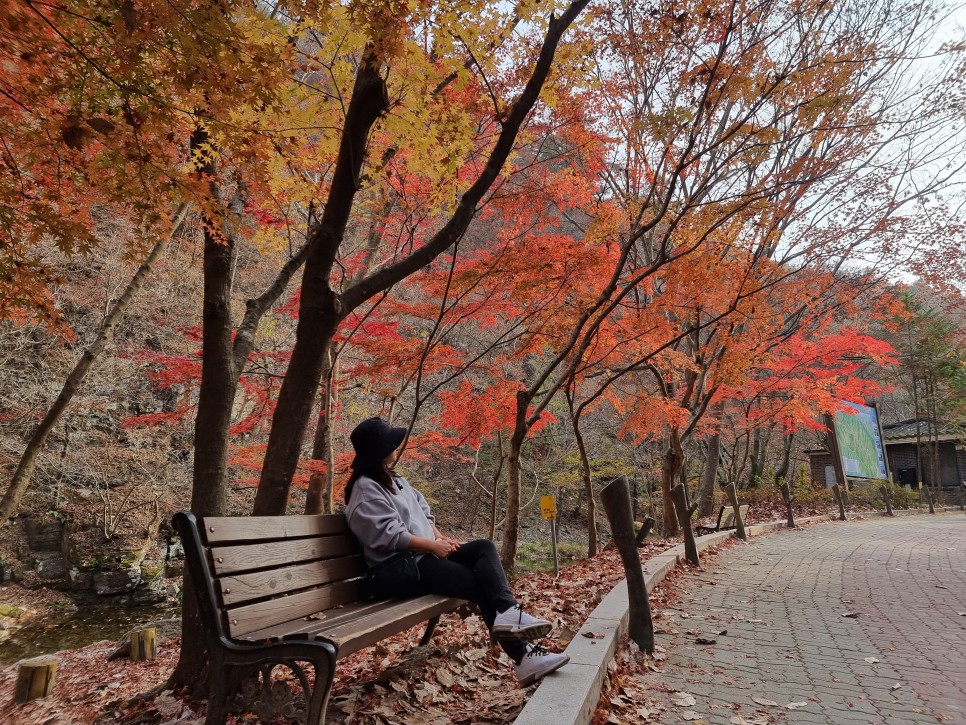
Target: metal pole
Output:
[(553, 543)]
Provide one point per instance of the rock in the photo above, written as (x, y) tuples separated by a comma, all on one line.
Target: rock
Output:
[(116, 581), (80, 580), (46, 534), (51, 567)]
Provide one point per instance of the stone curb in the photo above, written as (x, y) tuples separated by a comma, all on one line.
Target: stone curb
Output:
[(570, 695)]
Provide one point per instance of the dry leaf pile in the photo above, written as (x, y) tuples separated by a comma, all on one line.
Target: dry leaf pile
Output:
[(458, 678)]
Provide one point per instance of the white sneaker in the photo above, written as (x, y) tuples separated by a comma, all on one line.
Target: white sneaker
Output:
[(514, 623), (537, 662)]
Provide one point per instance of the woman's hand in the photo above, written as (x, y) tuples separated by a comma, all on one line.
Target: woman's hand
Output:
[(443, 547)]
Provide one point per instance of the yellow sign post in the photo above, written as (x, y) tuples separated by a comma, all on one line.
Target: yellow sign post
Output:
[(548, 510), (548, 507)]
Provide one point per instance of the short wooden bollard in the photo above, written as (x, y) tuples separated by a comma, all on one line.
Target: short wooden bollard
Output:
[(144, 644), (35, 678)]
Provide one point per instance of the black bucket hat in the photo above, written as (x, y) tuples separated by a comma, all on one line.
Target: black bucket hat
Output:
[(373, 440)]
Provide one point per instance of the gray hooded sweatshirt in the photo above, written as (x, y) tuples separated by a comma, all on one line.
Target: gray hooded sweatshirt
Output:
[(386, 521)]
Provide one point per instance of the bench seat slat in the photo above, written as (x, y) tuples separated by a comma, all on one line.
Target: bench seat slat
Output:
[(219, 529), (361, 624), (396, 617), (245, 557), (252, 617), (238, 589)]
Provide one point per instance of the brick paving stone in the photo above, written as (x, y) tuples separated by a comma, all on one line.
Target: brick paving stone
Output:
[(782, 598)]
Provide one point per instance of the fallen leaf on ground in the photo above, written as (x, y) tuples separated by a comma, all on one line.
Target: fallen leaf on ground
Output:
[(691, 715), (705, 640), (896, 686), (593, 635), (764, 701), (851, 615), (683, 699), (795, 705), (871, 660)]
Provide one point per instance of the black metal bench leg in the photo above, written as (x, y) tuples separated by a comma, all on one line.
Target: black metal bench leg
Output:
[(319, 701), (430, 628)]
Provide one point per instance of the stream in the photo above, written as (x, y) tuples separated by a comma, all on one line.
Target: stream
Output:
[(71, 629)]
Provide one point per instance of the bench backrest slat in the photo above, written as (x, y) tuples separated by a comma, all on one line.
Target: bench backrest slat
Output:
[(727, 519), (270, 612), (219, 529), (273, 552), (238, 589)]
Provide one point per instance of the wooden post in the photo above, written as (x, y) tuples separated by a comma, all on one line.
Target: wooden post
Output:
[(840, 500), (35, 678), (616, 497), (739, 524), (646, 529), (789, 498), (144, 644), (684, 512), (886, 490)]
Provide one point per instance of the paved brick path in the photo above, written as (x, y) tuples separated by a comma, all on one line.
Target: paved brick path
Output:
[(782, 598)]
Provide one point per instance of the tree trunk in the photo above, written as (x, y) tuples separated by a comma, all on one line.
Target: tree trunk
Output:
[(321, 309), (320, 497), (219, 380), (617, 504), (709, 480), (28, 461), (673, 459), (496, 485), (757, 455), (508, 551), (684, 513), (587, 479)]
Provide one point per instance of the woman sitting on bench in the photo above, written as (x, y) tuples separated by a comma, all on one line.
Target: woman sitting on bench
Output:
[(408, 555)]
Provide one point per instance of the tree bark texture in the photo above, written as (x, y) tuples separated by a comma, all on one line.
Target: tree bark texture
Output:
[(684, 513), (508, 551), (28, 460), (616, 497), (712, 453), (320, 497), (671, 464), (588, 488), (789, 498)]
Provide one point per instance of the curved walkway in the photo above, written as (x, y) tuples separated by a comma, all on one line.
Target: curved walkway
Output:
[(899, 658)]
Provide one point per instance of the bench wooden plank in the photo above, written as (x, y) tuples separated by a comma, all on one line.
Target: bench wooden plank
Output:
[(236, 590), (396, 616), (250, 617), (345, 618), (219, 529), (258, 555)]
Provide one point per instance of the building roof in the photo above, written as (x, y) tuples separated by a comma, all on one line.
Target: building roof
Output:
[(905, 431)]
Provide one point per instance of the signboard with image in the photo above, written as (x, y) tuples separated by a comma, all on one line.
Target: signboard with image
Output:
[(859, 439)]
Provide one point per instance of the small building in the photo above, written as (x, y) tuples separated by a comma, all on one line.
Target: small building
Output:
[(900, 447)]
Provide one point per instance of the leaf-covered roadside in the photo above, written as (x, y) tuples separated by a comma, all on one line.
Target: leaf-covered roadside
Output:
[(458, 678)]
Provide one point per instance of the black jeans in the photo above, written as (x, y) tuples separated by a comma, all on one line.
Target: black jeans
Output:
[(473, 572)]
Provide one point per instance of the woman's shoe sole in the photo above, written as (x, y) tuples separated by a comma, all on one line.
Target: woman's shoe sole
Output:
[(538, 675), (535, 632)]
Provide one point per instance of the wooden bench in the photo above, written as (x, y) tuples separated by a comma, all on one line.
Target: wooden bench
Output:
[(285, 590), (726, 520)]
